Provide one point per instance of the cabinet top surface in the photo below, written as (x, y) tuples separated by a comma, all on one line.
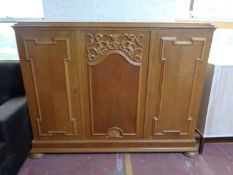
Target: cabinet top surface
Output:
[(111, 24)]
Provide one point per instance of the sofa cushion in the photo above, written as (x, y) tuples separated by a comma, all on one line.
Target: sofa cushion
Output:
[(2, 151), (5, 94), (5, 165), (13, 115), (11, 80), (21, 148)]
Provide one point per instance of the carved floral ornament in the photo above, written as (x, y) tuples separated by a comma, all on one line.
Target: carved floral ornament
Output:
[(99, 44), (114, 132)]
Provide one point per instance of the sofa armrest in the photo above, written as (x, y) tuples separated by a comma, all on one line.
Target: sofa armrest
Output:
[(13, 115)]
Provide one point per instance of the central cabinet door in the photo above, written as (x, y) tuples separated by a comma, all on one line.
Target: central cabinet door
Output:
[(115, 83)]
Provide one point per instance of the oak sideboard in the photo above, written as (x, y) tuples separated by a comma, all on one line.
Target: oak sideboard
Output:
[(113, 87)]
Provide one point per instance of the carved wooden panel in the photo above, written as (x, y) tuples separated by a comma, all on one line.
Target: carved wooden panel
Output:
[(100, 44), (117, 65), (178, 62), (49, 59)]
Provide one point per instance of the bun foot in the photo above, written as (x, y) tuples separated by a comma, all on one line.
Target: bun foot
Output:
[(35, 155), (191, 154)]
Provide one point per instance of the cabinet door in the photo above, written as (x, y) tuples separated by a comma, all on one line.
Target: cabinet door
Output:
[(177, 65), (115, 83), (48, 66)]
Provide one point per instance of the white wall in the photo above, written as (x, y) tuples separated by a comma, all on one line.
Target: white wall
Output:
[(219, 121), (109, 10)]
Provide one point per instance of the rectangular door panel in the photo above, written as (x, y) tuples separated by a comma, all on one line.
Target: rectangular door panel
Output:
[(49, 68), (178, 70), (116, 69)]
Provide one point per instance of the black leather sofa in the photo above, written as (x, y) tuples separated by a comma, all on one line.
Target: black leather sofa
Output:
[(15, 130)]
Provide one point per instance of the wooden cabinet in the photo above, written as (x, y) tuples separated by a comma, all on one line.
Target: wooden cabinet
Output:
[(96, 87)]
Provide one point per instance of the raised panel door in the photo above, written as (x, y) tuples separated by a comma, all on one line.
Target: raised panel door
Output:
[(176, 76), (116, 75), (48, 66)]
